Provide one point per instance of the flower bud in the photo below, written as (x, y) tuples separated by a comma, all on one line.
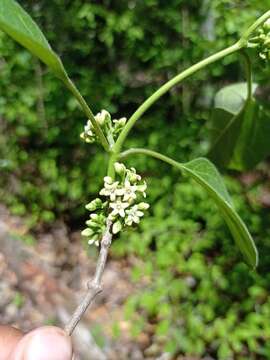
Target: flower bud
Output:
[(120, 168), (94, 217), (117, 226), (93, 205), (143, 206), (92, 224), (266, 25), (87, 232)]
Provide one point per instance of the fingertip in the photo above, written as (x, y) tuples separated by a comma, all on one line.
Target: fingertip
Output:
[(45, 343)]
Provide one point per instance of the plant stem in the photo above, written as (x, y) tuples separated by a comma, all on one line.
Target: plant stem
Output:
[(244, 38), (94, 286), (151, 153), (71, 86), (248, 70), (167, 86), (242, 43)]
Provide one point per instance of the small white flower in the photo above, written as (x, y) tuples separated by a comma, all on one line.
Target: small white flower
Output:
[(133, 215), (119, 208), (102, 116), (111, 190), (88, 130), (129, 191), (108, 180), (88, 127)]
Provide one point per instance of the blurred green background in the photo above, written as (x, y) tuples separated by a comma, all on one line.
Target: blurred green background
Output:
[(201, 299)]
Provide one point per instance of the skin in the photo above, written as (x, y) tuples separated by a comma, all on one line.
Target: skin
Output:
[(44, 343)]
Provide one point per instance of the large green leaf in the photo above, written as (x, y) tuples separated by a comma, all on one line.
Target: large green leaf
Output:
[(206, 174), (19, 25), (253, 142)]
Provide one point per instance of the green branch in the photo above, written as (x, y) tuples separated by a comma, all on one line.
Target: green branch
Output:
[(151, 153), (248, 70), (242, 43), (244, 38), (71, 86), (167, 86)]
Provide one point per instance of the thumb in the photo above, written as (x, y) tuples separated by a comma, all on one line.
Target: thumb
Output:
[(44, 343)]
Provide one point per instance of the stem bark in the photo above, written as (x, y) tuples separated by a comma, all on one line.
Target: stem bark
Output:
[(94, 285)]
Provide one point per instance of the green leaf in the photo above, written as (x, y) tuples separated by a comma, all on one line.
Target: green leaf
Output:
[(206, 174), (18, 24), (253, 142), (232, 97), (230, 115)]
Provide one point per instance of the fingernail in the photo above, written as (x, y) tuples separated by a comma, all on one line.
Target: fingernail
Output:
[(48, 343)]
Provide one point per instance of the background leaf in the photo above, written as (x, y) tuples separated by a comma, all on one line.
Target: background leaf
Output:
[(206, 174), (253, 142), (232, 97), (229, 119), (20, 26)]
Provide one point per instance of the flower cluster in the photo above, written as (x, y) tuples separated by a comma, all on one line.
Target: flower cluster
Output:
[(122, 204), (262, 41), (111, 128)]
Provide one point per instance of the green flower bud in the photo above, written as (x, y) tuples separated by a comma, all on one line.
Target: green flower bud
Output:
[(87, 232), (120, 168), (143, 206), (92, 224), (266, 25), (117, 226), (94, 205), (94, 240), (95, 217)]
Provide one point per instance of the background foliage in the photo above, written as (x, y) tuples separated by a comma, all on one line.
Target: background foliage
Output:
[(199, 297)]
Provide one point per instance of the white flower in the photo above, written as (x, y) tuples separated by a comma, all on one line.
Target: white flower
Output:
[(133, 215), (111, 190), (108, 180), (102, 116), (88, 130), (129, 191), (119, 208)]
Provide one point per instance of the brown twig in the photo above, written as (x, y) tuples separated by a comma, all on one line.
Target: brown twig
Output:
[(94, 285)]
